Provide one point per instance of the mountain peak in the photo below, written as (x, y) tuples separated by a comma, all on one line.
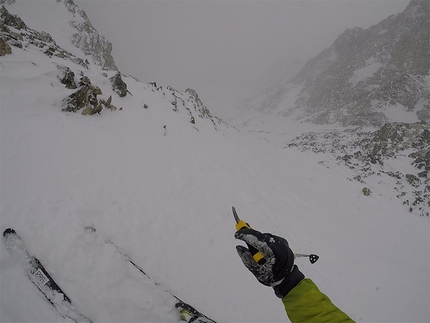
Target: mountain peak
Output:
[(375, 70), (422, 4), (44, 15), (367, 76)]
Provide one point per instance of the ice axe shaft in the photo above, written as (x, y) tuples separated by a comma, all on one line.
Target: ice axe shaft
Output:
[(312, 257)]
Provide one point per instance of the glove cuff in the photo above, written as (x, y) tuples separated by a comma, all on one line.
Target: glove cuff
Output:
[(289, 282)]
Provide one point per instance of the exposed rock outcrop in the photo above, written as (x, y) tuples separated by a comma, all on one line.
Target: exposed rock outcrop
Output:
[(89, 40), (86, 36), (5, 49), (68, 78), (373, 153), (118, 85), (17, 34), (86, 99)]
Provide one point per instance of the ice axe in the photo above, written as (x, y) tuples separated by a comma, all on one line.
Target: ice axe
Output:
[(240, 224), (257, 255)]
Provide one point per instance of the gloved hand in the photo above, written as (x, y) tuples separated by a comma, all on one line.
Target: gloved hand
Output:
[(279, 270)]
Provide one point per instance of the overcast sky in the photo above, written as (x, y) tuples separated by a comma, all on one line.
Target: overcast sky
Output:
[(225, 49)]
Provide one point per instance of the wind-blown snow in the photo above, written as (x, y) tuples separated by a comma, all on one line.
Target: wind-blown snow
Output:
[(166, 201), (370, 68), (398, 113)]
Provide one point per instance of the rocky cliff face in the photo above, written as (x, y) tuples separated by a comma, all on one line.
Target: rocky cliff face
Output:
[(84, 36), (15, 33), (366, 72), (89, 40), (365, 77)]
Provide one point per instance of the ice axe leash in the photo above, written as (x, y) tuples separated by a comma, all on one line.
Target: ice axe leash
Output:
[(257, 255)]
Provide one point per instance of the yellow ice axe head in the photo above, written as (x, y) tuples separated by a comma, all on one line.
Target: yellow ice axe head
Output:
[(240, 224)]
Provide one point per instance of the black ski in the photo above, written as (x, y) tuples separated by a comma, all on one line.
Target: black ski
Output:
[(186, 311), (190, 314), (40, 277)]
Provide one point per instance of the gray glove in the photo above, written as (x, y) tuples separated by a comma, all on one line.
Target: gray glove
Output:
[(278, 271)]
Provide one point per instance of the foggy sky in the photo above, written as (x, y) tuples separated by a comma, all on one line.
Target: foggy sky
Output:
[(225, 49)]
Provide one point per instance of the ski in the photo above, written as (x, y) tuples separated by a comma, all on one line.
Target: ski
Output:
[(40, 277), (186, 312), (190, 314)]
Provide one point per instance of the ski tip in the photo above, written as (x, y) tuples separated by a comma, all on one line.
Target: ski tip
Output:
[(190, 314), (8, 231)]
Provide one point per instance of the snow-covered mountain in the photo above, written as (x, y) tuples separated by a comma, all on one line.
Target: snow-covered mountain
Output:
[(367, 77), (69, 34), (377, 82), (91, 157), (73, 66)]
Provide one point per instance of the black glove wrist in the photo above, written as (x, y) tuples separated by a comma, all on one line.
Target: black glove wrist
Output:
[(289, 282)]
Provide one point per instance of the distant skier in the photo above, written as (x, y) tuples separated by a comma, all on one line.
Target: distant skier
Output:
[(302, 299)]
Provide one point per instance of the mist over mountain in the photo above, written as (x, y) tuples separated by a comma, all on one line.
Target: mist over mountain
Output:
[(366, 78)]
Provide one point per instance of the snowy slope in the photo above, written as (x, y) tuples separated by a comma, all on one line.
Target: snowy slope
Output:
[(166, 200), (68, 25)]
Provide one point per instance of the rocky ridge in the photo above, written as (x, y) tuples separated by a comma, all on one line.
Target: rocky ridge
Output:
[(15, 33), (86, 96), (367, 72), (88, 39), (85, 36), (365, 78), (374, 155)]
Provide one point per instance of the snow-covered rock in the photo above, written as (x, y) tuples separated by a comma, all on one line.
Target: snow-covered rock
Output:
[(67, 23), (387, 153)]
